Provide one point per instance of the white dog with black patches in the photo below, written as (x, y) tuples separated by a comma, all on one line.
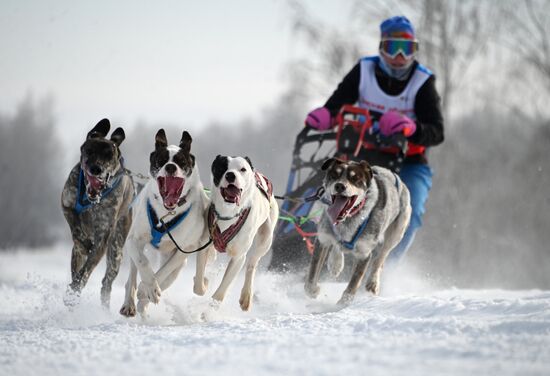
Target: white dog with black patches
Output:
[(241, 218), (172, 203)]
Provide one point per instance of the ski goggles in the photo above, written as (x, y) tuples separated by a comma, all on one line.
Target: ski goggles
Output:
[(394, 47)]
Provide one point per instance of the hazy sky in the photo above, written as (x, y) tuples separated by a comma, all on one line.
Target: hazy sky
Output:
[(183, 62)]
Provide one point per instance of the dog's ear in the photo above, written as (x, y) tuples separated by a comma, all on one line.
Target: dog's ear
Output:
[(217, 161), (219, 167), (160, 139), (367, 168), (185, 142), (326, 164), (249, 162), (100, 130), (118, 136)]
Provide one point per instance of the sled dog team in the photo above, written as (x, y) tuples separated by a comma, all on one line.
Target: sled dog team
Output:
[(366, 213)]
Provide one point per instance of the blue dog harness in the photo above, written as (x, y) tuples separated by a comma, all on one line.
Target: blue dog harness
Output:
[(153, 219), (351, 244), (82, 200)]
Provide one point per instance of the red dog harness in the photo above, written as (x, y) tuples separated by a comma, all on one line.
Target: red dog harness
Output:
[(264, 185), (221, 239)]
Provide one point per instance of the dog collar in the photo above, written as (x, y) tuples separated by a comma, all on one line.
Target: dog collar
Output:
[(83, 202), (154, 223), (219, 238), (219, 217)]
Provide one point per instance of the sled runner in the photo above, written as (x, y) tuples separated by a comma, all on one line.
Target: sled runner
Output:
[(354, 136)]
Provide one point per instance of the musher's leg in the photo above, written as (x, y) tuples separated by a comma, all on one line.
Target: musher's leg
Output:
[(418, 179)]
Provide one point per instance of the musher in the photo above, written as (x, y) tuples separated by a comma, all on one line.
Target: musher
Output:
[(401, 97)]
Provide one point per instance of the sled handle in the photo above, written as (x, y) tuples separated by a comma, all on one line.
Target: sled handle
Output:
[(363, 122)]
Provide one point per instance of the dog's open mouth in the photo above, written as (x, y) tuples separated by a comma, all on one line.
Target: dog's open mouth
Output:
[(340, 207), (170, 188), (231, 194), (94, 185)]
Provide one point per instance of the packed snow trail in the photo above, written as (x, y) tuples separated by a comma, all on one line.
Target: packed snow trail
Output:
[(412, 329)]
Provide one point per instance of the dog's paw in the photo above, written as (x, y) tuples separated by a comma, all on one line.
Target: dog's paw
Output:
[(128, 310), (245, 301), (149, 291), (218, 296), (105, 297), (142, 308), (312, 290), (200, 288), (71, 297), (346, 299), (373, 286), (335, 262), (215, 304)]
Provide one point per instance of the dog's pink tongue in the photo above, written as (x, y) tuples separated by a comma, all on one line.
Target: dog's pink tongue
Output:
[(336, 208), (94, 185), (232, 194), (170, 188)]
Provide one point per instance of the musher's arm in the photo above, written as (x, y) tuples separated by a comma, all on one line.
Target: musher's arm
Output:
[(429, 119)]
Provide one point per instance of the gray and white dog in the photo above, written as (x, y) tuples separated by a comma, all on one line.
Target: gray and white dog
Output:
[(95, 201), (368, 214)]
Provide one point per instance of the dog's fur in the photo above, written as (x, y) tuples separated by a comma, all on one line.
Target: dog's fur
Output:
[(234, 192), (101, 227), (386, 208), (170, 167)]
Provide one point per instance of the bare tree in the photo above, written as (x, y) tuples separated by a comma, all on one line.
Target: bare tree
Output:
[(333, 52), (530, 22), (31, 181), (527, 25)]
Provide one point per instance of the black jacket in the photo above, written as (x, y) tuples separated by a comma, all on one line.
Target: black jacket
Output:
[(427, 105)]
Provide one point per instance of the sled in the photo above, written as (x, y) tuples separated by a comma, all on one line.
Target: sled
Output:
[(295, 233)]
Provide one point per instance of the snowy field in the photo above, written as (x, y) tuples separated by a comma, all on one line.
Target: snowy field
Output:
[(413, 328)]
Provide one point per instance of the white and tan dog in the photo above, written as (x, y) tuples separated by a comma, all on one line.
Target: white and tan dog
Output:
[(241, 219), (172, 203)]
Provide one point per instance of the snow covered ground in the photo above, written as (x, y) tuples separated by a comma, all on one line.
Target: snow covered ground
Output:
[(413, 328)]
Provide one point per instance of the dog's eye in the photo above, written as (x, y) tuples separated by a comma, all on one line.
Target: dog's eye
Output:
[(243, 169)]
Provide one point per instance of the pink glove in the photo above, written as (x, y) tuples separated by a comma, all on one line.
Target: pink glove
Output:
[(393, 122), (319, 119)]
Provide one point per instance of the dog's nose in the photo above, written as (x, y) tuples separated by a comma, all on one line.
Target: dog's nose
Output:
[(171, 168), (339, 187), (95, 169), (230, 177)]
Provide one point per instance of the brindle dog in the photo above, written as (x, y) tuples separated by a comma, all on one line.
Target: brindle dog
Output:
[(95, 201)]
